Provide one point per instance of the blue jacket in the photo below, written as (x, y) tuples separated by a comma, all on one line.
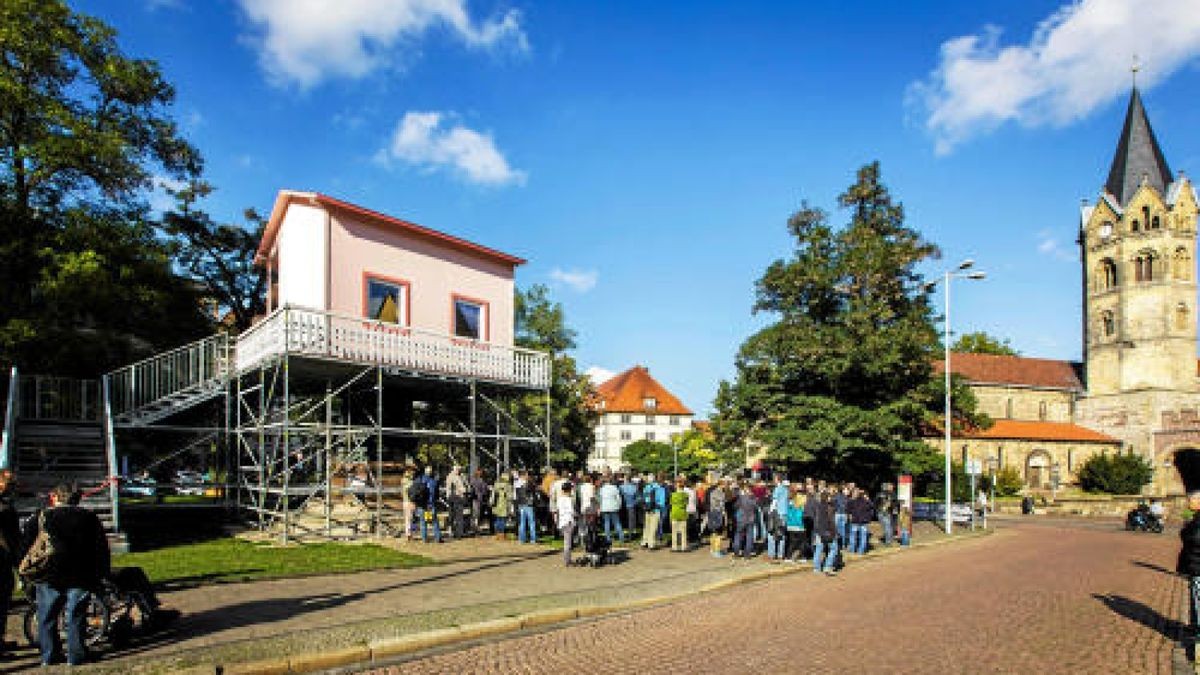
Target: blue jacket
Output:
[(431, 484), (779, 497), (628, 494)]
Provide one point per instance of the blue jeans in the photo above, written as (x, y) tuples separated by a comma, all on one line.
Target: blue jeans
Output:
[(526, 526), (500, 525), (823, 562), (743, 538), (437, 528), (776, 544), (885, 523), (663, 514), (613, 518), (858, 538), (840, 520), (50, 603), (905, 538)]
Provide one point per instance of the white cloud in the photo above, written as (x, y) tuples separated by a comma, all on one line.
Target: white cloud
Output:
[(1049, 245), (155, 5), (599, 375), (421, 139), (1077, 59), (303, 42), (580, 281), (160, 200)]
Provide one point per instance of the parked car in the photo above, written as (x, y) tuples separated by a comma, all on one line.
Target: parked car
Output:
[(139, 487), (189, 483)]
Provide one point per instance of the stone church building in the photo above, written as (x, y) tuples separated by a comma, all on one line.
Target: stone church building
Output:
[(1137, 389)]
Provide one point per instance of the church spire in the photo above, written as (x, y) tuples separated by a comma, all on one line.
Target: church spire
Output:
[(1138, 155)]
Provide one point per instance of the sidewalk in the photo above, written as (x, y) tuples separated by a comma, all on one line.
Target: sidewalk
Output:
[(475, 580)]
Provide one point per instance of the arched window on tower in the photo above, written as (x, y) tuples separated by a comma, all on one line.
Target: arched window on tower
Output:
[(1143, 266), (1183, 264), (1134, 226), (1182, 316), (1108, 274), (1154, 224), (1042, 411), (1146, 217), (1109, 323), (1008, 409)]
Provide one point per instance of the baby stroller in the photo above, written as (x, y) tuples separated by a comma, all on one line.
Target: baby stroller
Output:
[(597, 548)]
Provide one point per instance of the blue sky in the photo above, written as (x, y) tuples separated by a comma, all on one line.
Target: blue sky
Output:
[(645, 156)]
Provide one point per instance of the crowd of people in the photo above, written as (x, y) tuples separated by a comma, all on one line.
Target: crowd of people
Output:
[(783, 521)]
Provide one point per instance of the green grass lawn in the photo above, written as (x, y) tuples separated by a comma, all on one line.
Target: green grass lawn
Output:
[(229, 560), (170, 499)]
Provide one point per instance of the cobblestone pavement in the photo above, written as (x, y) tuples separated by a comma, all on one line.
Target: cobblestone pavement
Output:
[(1032, 599)]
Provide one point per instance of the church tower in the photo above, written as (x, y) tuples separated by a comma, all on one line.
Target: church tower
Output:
[(1138, 245)]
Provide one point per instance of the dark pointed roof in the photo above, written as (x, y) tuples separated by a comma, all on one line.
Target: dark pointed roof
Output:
[(1138, 155)]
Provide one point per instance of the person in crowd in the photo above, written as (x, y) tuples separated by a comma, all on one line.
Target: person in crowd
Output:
[(1188, 564), (746, 515), (610, 509), (824, 533), (679, 517), (841, 517), (650, 529), (456, 496), (716, 518), (566, 519), (407, 506), (585, 494), (500, 499), (885, 511), (10, 550), (905, 520), (480, 501), (630, 500), (554, 493), (525, 496), (75, 565), (794, 523), (423, 493), (776, 520), (860, 512), (663, 499), (693, 510)]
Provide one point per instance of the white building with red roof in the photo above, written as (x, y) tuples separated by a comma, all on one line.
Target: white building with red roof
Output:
[(634, 406)]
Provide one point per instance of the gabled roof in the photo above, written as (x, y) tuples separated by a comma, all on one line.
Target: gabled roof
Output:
[(286, 197), (1039, 431), (627, 393), (1013, 370), (1138, 156)]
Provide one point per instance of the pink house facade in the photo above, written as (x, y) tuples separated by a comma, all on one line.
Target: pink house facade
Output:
[(349, 283)]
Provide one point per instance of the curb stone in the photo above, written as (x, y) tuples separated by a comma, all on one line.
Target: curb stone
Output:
[(385, 649)]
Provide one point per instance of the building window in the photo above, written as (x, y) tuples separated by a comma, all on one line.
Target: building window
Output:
[(1042, 411), (650, 403), (1110, 323), (1183, 264), (626, 435), (1070, 460), (386, 300), (626, 419), (1182, 317), (1008, 409), (649, 419), (1108, 274), (1135, 226), (1143, 266), (649, 435), (1146, 217), (470, 318), (674, 420), (1154, 224)]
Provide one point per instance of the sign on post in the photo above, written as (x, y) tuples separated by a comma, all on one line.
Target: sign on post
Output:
[(974, 467)]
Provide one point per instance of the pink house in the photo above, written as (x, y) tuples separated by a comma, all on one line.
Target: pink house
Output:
[(353, 284)]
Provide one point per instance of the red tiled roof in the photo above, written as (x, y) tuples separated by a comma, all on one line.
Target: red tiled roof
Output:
[(1017, 370), (628, 391), (285, 197), (1039, 431)]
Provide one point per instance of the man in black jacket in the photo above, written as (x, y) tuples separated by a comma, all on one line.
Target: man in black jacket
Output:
[(1189, 561), (80, 562), (10, 550)]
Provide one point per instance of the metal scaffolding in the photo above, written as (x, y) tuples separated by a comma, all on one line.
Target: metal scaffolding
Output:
[(321, 444)]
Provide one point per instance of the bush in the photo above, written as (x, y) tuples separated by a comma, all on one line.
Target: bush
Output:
[(1115, 474), (1009, 482), (960, 484)]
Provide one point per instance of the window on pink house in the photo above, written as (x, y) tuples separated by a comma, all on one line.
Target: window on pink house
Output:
[(387, 301), (470, 319)]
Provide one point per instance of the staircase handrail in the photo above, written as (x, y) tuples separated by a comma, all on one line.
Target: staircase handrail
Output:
[(150, 379), (10, 421), (110, 454)]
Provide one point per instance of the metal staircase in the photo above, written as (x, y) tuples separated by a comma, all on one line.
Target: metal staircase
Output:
[(165, 384)]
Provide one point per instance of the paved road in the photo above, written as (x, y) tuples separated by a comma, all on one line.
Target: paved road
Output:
[(1030, 599)]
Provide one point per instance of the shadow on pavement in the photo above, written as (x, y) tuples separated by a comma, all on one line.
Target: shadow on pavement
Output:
[(1147, 616), (1152, 566)]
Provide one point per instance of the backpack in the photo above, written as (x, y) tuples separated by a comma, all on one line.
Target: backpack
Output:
[(649, 497), (418, 492), (38, 563)]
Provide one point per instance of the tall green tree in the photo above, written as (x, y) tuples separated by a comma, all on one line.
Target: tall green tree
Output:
[(84, 282), (840, 383), (541, 325), (980, 342), (219, 257)]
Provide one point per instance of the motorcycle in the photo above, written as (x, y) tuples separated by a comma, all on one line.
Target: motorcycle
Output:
[(1140, 520)]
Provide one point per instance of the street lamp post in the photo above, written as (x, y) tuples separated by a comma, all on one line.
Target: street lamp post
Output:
[(956, 273)]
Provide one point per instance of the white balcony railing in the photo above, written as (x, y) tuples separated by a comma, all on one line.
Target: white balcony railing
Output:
[(308, 332)]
